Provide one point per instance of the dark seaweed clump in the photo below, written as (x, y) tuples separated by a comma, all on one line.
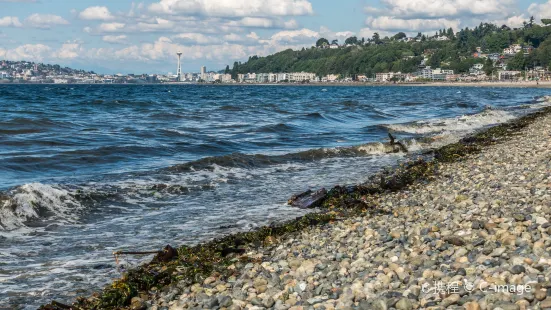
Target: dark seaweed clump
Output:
[(194, 264)]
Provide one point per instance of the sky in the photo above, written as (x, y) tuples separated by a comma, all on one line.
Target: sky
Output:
[(124, 36)]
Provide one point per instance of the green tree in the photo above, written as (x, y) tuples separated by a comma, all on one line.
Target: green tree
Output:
[(227, 71), (488, 67), (351, 41), (399, 36), (517, 62), (235, 70), (546, 21), (376, 38), (450, 34), (335, 42), (321, 42)]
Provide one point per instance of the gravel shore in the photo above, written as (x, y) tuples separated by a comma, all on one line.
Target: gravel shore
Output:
[(475, 237)]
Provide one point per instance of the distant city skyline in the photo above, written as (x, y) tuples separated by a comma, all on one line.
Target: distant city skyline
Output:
[(137, 37)]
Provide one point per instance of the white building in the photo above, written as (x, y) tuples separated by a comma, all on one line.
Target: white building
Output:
[(302, 76), (282, 77), (330, 78), (509, 75), (434, 74), (385, 76), (513, 49)]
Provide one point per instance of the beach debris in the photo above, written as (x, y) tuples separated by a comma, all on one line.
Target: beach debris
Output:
[(399, 146), (164, 255), (167, 254), (57, 306), (308, 199)]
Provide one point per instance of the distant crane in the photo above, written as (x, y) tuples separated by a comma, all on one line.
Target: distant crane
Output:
[(179, 70)]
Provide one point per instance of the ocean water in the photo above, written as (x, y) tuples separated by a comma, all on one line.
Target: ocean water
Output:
[(86, 170)]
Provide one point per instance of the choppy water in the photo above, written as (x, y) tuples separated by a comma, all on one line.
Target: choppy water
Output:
[(87, 170)]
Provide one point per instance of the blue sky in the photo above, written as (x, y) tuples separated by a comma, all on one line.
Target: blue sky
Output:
[(125, 36)]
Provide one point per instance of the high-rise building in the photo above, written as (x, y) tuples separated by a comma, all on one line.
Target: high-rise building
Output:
[(179, 71), (203, 74)]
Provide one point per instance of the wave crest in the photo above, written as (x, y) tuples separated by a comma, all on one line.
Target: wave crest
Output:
[(35, 201)]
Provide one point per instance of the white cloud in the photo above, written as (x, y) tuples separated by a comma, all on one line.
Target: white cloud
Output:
[(263, 22), (45, 21), (120, 39), (111, 27), (368, 33), (306, 36), (538, 10), (10, 21), (159, 24), (419, 9), (31, 52), (429, 15), (331, 35), (513, 21), (396, 24), (233, 8), (196, 38), (68, 51), (96, 13)]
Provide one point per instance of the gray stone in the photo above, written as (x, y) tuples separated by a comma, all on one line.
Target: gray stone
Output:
[(518, 269)]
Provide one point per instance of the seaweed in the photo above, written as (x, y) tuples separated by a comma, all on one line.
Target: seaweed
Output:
[(193, 264)]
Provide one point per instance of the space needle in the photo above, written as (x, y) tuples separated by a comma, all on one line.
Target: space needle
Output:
[(179, 70)]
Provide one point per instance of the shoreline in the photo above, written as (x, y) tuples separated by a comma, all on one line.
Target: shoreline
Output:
[(192, 272), (489, 84)]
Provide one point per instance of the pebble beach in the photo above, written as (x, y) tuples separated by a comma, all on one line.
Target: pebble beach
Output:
[(476, 236)]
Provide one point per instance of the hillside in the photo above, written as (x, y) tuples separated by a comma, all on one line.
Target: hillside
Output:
[(445, 49)]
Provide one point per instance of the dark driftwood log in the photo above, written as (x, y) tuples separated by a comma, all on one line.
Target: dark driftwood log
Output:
[(166, 255), (308, 199)]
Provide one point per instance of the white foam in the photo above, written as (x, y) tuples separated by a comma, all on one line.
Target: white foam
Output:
[(465, 123), (28, 201), (375, 148)]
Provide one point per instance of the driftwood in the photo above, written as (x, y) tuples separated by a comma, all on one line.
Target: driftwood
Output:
[(164, 255), (399, 144), (54, 305), (308, 199)]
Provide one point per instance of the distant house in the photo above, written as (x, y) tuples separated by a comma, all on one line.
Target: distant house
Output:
[(334, 46), (442, 38), (384, 76), (476, 69), (509, 75), (513, 49), (330, 78), (494, 56), (407, 39)]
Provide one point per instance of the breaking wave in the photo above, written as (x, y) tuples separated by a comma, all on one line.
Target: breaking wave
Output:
[(465, 123), (37, 201)]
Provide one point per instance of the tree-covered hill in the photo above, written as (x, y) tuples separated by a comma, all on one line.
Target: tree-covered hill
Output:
[(374, 55)]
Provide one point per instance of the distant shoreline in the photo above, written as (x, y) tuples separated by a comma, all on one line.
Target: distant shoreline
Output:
[(521, 84)]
